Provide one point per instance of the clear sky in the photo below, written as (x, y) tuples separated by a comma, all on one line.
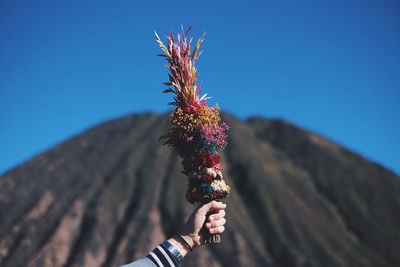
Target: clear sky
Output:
[(330, 66)]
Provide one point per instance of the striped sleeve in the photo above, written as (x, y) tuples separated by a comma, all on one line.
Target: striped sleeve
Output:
[(161, 257), (142, 262)]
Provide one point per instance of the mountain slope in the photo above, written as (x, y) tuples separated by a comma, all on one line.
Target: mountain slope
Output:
[(109, 195)]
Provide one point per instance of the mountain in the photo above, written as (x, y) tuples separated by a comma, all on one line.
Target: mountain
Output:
[(110, 194)]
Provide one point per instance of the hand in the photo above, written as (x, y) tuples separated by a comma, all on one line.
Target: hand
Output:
[(193, 231), (214, 225)]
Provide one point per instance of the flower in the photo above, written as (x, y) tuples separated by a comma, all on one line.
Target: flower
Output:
[(196, 162), (181, 63), (195, 130), (213, 137), (209, 160), (206, 188), (200, 131), (214, 172), (219, 185)]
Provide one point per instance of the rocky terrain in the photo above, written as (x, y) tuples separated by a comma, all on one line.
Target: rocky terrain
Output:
[(110, 194)]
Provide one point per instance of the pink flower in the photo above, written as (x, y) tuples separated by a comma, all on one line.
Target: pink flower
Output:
[(215, 134)]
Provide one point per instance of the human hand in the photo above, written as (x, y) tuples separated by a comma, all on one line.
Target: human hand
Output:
[(195, 229), (212, 214)]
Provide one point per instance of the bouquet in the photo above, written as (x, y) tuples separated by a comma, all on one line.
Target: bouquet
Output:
[(195, 130)]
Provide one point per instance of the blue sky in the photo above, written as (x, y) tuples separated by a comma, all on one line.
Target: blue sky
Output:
[(330, 66)]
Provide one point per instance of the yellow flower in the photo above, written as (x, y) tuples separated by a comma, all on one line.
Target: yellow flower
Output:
[(180, 121)]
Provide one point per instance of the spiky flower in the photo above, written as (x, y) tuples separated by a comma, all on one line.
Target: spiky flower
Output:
[(183, 73)]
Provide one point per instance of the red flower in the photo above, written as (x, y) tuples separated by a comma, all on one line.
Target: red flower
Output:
[(209, 160), (196, 162), (207, 178), (194, 106)]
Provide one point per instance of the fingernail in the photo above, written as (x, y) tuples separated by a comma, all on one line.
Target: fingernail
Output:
[(211, 231), (208, 225)]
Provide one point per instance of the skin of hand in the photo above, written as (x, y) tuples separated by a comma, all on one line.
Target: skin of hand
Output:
[(212, 214)]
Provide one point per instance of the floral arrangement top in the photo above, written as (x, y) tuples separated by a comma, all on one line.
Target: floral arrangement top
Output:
[(195, 130)]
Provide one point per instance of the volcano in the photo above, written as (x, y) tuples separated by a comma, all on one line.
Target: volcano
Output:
[(110, 194)]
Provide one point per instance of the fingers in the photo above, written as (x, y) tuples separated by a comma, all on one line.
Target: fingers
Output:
[(213, 205), (217, 230), (217, 216), (216, 223)]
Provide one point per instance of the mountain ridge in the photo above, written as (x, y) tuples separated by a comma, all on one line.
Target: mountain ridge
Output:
[(109, 194)]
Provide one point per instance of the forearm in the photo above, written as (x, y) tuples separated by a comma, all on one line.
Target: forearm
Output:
[(183, 243), (172, 251), (166, 255)]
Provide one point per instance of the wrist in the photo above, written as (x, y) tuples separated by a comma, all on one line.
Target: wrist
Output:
[(190, 239), (187, 240), (179, 244)]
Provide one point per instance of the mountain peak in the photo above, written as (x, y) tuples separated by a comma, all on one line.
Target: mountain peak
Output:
[(110, 194)]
